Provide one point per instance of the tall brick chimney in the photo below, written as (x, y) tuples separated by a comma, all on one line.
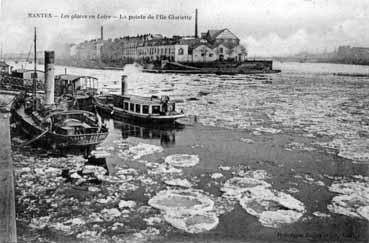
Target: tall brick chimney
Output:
[(196, 36), (102, 32)]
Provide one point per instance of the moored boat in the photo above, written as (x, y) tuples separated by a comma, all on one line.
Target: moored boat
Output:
[(84, 94), (39, 116), (154, 109), (59, 128)]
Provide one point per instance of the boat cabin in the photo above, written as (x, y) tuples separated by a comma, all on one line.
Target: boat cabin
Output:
[(28, 74), (4, 68), (144, 105), (75, 85)]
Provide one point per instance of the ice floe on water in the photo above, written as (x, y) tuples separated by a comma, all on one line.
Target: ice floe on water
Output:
[(321, 214), (188, 210), (298, 146), (267, 130), (178, 182), (140, 150), (192, 223), (356, 149), (353, 199), (216, 176), (272, 208), (236, 186), (182, 160)]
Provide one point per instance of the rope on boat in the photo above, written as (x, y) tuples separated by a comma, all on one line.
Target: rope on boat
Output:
[(34, 139)]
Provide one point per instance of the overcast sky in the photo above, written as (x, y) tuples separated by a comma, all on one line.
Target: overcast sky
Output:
[(266, 27)]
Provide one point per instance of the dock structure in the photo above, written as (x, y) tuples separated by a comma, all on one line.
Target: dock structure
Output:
[(7, 200)]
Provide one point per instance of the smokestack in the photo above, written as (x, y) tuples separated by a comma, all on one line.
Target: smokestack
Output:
[(102, 32), (124, 84), (196, 36), (49, 77)]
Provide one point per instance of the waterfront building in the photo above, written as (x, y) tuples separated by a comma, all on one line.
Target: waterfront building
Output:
[(214, 45)]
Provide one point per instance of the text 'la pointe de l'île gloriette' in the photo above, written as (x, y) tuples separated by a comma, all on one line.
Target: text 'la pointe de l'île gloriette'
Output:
[(77, 16)]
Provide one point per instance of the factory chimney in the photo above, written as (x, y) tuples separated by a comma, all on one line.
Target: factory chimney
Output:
[(124, 85), (49, 77), (196, 36), (102, 32)]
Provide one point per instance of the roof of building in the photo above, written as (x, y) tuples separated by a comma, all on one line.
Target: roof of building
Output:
[(27, 70), (214, 33), (72, 77), (3, 64)]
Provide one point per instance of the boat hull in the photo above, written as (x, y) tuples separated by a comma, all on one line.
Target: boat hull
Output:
[(54, 139)]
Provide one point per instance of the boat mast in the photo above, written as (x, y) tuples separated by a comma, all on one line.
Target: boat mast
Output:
[(34, 90)]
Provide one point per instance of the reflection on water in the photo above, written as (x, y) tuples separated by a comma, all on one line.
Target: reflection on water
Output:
[(166, 135)]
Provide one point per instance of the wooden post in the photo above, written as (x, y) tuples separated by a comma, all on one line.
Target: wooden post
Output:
[(7, 200)]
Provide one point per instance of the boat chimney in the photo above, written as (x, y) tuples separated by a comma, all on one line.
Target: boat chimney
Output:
[(124, 84), (49, 77), (196, 36)]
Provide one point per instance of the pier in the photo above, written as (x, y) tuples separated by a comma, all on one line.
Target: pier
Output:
[(7, 201)]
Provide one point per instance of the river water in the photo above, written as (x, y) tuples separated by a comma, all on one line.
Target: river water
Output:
[(278, 157)]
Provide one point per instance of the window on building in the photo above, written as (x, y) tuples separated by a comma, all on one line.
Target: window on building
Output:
[(155, 109), (126, 105), (145, 109), (221, 50), (138, 108), (202, 54), (180, 51), (131, 107), (210, 54)]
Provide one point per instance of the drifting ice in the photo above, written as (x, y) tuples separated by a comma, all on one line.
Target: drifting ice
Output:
[(182, 160)]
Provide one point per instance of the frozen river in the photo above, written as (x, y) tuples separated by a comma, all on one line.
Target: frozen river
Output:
[(278, 157)]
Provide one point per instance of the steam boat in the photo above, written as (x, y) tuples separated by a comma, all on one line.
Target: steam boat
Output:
[(59, 128), (147, 110), (141, 109), (55, 123)]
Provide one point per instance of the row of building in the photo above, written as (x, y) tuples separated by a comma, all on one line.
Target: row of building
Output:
[(213, 45)]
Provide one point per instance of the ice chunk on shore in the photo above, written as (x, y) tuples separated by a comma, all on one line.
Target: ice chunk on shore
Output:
[(93, 169), (182, 160), (188, 210), (100, 154)]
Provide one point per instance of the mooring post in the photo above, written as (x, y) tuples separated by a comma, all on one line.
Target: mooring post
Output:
[(7, 200)]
